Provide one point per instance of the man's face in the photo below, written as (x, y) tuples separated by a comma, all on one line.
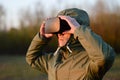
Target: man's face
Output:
[(63, 38)]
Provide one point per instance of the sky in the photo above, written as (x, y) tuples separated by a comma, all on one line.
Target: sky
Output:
[(13, 7)]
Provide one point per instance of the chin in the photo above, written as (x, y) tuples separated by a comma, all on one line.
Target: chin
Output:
[(61, 45)]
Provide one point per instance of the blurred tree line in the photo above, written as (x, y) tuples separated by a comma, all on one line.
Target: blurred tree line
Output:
[(16, 41)]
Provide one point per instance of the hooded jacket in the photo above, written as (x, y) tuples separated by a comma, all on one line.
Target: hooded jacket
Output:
[(85, 57)]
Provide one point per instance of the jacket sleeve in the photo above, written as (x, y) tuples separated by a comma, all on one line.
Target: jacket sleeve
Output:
[(101, 54), (34, 57)]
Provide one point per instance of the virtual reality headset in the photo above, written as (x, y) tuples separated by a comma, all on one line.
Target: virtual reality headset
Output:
[(56, 25)]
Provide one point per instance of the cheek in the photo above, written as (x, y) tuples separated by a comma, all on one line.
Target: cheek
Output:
[(67, 37), (64, 38)]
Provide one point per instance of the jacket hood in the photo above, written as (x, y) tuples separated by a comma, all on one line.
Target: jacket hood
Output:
[(81, 16)]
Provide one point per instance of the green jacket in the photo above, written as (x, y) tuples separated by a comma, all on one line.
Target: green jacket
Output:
[(85, 57)]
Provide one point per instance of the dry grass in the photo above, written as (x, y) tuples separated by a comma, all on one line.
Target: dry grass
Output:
[(16, 68)]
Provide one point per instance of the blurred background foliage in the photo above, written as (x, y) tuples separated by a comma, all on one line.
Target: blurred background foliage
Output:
[(14, 42), (104, 21)]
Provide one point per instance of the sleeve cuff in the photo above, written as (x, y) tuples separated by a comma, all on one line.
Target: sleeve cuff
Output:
[(76, 33)]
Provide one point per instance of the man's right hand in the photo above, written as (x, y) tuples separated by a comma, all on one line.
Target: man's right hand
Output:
[(42, 31)]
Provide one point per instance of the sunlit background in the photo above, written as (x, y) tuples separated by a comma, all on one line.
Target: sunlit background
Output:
[(13, 9), (20, 20)]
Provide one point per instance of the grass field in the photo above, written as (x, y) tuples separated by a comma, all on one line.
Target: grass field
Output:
[(16, 68)]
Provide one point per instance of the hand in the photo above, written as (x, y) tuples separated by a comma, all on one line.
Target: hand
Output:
[(72, 22), (42, 31)]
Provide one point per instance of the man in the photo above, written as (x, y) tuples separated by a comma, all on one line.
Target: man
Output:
[(81, 54)]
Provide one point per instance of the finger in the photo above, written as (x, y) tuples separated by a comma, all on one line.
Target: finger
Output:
[(42, 27), (67, 18), (48, 35), (71, 21)]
